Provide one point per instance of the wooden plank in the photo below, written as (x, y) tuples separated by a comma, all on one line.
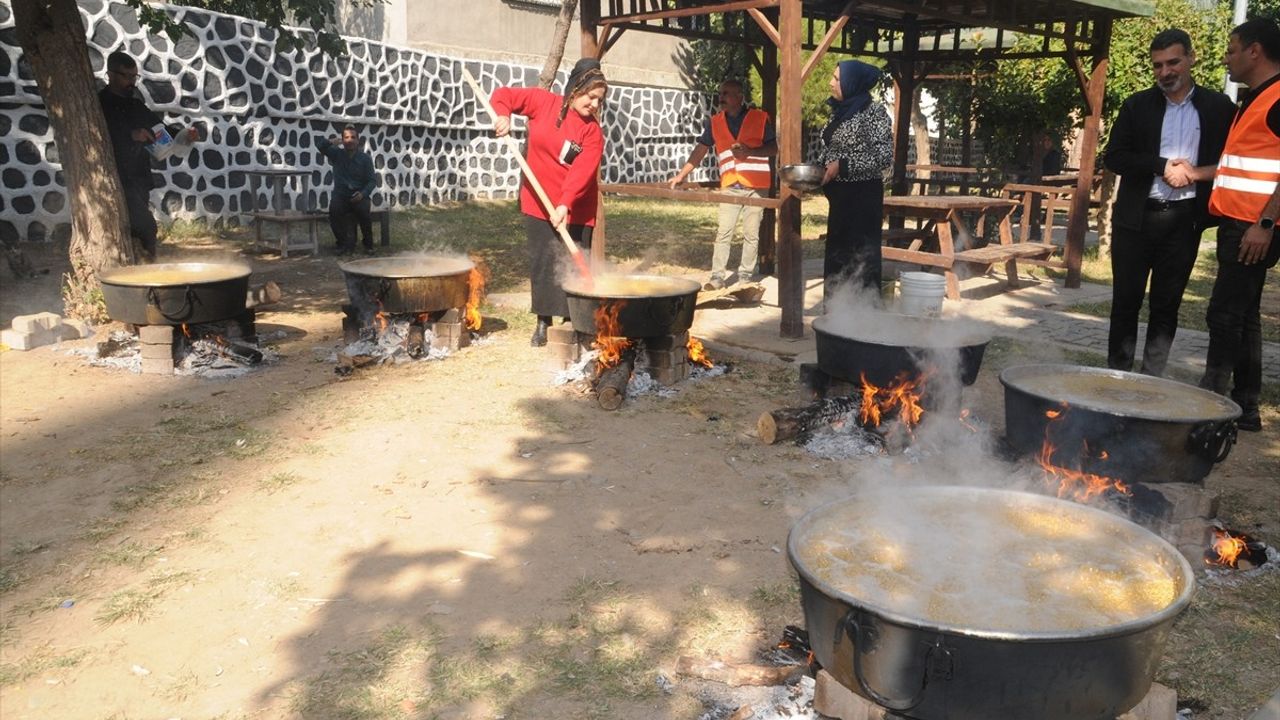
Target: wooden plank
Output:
[(765, 26), (832, 33), (992, 254), (789, 131), (916, 257), (723, 7), (686, 193)]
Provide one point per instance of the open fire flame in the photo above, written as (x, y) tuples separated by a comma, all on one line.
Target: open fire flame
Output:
[(609, 340), (475, 293), (697, 353), (1074, 484), (902, 395), (1227, 546)]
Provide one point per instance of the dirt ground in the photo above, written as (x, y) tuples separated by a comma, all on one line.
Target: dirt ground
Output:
[(451, 539)]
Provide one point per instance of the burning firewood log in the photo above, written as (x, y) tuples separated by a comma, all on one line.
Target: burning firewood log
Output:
[(775, 426), (737, 675), (611, 382)]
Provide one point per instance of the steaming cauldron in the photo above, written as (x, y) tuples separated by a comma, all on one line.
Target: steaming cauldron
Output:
[(651, 305), (408, 284), (175, 293), (883, 345), (1136, 428), (1020, 607)]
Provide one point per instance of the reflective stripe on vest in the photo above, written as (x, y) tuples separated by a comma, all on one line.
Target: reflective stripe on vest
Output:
[(752, 172), (1249, 169)]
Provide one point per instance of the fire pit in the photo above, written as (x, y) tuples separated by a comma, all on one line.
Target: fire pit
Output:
[(413, 303), (1123, 425), (972, 604), (653, 305), (880, 347)]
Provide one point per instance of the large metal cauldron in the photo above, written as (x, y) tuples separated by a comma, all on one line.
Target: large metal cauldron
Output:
[(1131, 427), (883, 345), (408, 284), (650, 305), (175, 293), (930, 670)]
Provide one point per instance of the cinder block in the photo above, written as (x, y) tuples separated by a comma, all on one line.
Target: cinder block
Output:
[(667, 342), (1189, 500), (155, 334), (28, 340), (834, 700), (37, 322), (563, 334), (667, 358), (567, 353), (157, 366), (669, 376), (452, 315), (1161, 703), (1193, 531), (74, 328), (156, 352)]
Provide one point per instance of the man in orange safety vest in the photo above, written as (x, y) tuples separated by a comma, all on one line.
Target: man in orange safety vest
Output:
[(743, 139)]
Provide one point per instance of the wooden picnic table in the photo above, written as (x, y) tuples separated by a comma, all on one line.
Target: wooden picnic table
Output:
[(933, 243)]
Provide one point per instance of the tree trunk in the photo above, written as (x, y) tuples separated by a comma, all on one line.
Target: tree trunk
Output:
[(52, 37), (920, 131), (563, 23)]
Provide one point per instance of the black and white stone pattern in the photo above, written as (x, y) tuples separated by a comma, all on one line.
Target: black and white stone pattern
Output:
[(429, 138)]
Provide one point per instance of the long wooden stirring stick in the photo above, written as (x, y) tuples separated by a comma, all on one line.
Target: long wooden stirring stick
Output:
[(574, 251)]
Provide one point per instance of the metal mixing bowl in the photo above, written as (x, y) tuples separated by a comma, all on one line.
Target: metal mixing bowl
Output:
[(802, 178)]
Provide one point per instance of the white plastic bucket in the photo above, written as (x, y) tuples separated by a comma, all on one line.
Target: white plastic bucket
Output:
[(921, 293)]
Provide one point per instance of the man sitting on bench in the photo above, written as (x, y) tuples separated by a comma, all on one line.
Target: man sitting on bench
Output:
[(353, 182)]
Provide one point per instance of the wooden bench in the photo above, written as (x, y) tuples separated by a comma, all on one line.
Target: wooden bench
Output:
[(308, 242), (382, 217)]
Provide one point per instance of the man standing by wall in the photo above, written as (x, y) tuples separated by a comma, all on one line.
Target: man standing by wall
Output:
[(130, 123), (353, 181), (1246, 195), (744, 141), (1160, 135)]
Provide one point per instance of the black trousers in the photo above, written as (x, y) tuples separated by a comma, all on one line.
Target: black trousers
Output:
[(549, 263), (1165, 251), (142, 224), (344, 213), (854, 217), (1235, 319)]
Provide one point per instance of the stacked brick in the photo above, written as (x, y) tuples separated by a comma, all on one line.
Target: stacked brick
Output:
[(28, 332)]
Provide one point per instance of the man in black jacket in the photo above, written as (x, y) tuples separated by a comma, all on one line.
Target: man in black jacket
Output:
[(1161, 135), (130, 124)]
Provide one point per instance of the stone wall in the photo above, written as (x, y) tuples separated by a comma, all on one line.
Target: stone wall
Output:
[(429, 138)]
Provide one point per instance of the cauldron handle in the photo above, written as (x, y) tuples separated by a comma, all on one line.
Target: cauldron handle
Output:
[(188, 304), (937, 660), (1212, 441)]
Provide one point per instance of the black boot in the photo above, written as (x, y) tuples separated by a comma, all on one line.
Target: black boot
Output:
[(539, 338)]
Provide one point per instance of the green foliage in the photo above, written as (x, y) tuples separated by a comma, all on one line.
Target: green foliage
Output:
[(318, 16), (1014, 99), (1265, 8), (714, 61)]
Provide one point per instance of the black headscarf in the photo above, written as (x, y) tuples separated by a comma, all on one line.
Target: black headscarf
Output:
[(856, 80), (584, 73)]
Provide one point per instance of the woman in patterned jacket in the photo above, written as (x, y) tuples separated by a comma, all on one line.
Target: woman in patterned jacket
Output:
[(857, 149)]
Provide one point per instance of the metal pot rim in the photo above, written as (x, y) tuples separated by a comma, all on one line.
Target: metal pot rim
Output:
[(681, 286), (412, 266), (1133, 626), (1010, 376), (120, 276), (978, 339)]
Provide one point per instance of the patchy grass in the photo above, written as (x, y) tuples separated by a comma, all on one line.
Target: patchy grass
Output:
[(8, 579), (1195, 300), (137, 603), (1204, 661), (42, 660), (278, 481), (130, 554)]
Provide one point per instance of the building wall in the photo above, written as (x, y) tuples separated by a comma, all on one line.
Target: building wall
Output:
[(520, 32), (429, 139)]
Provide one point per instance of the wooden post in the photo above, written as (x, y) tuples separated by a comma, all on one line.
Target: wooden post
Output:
[(790, 258), (589, 14), (903, 98), (1078, 222), (769, 100)]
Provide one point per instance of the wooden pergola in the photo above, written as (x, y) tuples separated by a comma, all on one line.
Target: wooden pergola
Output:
[(914, 37)]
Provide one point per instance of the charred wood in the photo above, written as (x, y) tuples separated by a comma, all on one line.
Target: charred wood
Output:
[(611, 382), (737, 675), (788, 423)]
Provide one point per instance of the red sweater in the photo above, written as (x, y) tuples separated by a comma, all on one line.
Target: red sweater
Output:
[(573, 184)]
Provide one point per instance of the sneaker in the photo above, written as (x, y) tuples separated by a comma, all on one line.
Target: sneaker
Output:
[(370, 251), (1250, 422), (715, 283)]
